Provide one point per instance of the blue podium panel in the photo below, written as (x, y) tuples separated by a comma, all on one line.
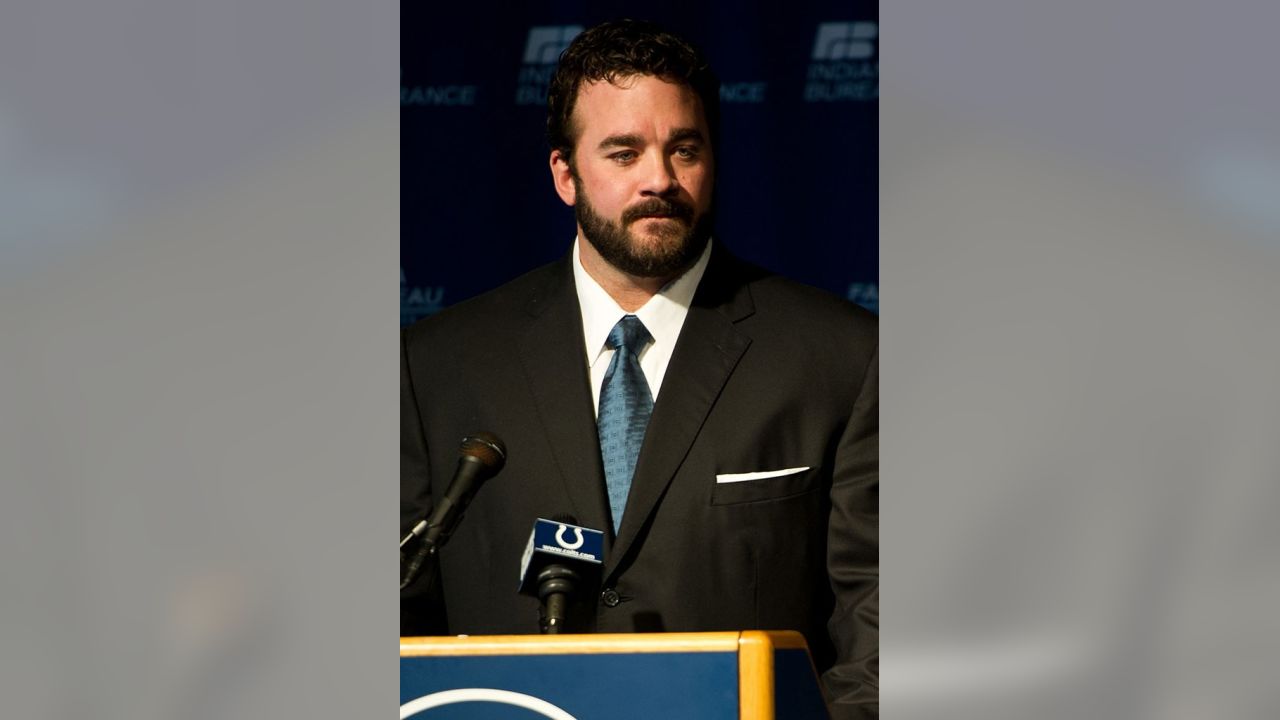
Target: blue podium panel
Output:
[(617, 686), (796, 687)]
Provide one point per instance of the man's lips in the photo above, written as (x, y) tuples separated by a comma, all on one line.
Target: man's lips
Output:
[(660, 216), (665, 211)]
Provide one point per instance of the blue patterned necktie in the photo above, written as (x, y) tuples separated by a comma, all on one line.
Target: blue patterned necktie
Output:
[(625, 406)]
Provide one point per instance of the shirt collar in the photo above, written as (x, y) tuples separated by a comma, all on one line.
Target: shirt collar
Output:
[(663, 315)]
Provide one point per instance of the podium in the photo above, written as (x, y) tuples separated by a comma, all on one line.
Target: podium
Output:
[(748, 675)]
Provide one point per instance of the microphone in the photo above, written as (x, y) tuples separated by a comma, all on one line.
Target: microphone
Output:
[(560, 556), (481, 456)]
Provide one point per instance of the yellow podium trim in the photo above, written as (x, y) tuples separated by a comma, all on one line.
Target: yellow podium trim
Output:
[(755, 676), (613, 643), (569, 644), (754, 648)]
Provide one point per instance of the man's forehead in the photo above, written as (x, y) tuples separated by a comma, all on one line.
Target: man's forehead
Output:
[(601, 95), (628, 82), (625, 81)]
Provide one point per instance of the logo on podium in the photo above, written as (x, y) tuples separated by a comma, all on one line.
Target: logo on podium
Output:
[(483, 695)]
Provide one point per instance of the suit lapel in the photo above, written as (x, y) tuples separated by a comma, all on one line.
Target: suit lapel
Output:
[(708, 349), (553, 355)]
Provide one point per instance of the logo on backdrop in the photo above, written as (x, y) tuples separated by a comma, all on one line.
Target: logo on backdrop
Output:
[(865, 294), (742, 92), (845, 66), (435, 95), (541, 53), (418, 302)]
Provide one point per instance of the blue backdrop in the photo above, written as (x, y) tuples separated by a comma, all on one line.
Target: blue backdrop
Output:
[(797, 171)]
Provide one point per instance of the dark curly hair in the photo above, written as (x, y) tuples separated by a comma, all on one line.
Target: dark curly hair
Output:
[(621, 49)]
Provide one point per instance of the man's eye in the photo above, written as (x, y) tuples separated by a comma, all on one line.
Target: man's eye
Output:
[(623, 157), (687, 153)]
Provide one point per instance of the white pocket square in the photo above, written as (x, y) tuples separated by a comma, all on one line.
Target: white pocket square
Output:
[(743, 477)]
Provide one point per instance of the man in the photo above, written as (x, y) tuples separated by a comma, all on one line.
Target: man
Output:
[(718, 423)]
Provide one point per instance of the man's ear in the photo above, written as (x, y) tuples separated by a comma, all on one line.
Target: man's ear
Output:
[(562, 176)]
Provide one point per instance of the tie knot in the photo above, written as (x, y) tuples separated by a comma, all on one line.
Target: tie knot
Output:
[(630, 334)]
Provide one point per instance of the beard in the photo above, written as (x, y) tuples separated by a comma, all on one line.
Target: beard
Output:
[(664, 251)]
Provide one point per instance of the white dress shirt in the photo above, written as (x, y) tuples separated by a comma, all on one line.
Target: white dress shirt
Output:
[(663, 316)]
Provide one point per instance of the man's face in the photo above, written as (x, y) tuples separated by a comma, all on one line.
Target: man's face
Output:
[(641, 174)]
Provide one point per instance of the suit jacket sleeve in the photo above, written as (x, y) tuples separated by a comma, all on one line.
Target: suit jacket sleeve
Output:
[(421, 604), (853, 558)]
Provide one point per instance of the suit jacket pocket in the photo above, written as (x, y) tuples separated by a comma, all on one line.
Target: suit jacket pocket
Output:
[(765, 488)]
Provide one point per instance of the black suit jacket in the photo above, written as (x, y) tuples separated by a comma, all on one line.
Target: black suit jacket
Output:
[(766, 375)]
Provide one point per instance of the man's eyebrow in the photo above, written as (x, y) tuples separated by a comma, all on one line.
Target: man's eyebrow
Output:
[(631, 140), (683, 134)]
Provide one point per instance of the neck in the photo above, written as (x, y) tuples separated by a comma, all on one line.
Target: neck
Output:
[(629, 291)]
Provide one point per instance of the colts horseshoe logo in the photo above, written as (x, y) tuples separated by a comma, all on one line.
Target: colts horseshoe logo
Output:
[(482, 695), (577, 533)]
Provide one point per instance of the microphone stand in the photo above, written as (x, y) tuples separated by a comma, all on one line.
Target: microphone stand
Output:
[(426, 548), (556, 584)]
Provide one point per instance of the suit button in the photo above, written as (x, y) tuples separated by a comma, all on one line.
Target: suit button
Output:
[(610, 597)]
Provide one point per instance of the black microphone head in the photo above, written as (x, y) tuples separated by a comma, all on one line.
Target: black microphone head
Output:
[(487, 448)]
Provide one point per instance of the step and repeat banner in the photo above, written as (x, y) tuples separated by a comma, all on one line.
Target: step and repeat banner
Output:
[(797, 172)]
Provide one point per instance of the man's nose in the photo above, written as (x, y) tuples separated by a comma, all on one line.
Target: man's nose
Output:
[(660, 176)]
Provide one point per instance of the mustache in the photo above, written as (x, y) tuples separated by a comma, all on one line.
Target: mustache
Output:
[(657, 206)]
